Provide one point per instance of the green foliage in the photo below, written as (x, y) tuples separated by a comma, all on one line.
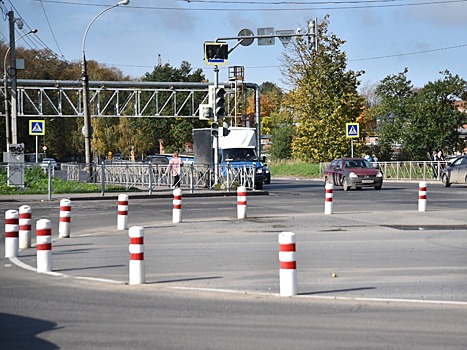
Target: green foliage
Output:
[(419, 122), (294, 167), (324, 96), (282, 141), (36, 182)]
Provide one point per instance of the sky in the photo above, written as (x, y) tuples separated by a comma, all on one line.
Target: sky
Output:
[(382, 36)]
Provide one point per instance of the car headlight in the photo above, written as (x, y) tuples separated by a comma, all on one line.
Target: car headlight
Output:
[(259, 171), (380, 174), (352, 174)]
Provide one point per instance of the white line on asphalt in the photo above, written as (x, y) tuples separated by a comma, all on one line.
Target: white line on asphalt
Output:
[(99, 280), (386, 300)]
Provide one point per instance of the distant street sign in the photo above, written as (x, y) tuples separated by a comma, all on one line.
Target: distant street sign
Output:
[(352, 130), (246, 41), (266, 31), (285, 36), (37, 127), (216, 53)]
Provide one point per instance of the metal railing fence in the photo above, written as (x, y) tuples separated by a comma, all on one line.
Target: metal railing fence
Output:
[(406, 170), (130, 176)]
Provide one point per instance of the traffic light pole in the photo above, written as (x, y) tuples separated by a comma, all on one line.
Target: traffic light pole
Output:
[(215, 140)]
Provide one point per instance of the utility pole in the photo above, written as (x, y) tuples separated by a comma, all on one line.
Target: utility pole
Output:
[(14, 106)]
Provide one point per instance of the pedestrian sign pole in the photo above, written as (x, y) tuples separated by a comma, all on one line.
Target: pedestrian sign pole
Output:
[(352, 130), (37, 128)]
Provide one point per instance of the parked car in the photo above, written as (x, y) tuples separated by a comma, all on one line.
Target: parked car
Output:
[(266, 174), (46, 161), (455, 172), (156, 159), (353, 172)]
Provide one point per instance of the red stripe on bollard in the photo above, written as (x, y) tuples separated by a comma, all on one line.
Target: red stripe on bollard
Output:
[(44, 232), (122, 213), (65, 208), (122, 202), (288, 265), (11, 221), (65, 219), (137, 256), (24, 215), (11, 234), (287, 247), (136, 240), (44, 246)]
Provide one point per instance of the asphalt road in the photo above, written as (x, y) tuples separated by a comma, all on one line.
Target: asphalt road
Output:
[(212, 280)]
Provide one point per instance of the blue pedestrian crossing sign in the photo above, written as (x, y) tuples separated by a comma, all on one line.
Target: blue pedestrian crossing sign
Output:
[(37, 127), (352, 130)]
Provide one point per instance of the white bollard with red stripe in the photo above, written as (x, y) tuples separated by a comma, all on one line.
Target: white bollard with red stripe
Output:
[(137, 267), (288, 265), (241, 202), (328, 199), (422, 196), (11, 233), (177, 210), (65, 219), (44, 245), (122, 212), (25, 220)]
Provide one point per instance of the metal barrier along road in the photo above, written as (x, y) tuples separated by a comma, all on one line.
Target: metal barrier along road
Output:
[(131, 175), (408, 170)]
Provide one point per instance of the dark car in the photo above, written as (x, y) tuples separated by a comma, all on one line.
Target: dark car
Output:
[(266, 174), (353, 172), (156, 159), (455, 172)]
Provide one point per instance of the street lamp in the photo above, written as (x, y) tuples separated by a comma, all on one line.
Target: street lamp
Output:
[(5, 84), (85, 82)]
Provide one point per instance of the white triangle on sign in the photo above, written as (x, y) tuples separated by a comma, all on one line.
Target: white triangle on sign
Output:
[(285, 36), (37, 127)]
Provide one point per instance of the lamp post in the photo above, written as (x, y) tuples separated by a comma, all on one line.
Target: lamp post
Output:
[(5, 85), (85, 82)]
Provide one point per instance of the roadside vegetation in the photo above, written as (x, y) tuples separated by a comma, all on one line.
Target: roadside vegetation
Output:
[(294, 168), (36, 182)]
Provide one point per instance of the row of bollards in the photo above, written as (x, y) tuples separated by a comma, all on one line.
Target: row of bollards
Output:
[(329, 188), (18, 235)]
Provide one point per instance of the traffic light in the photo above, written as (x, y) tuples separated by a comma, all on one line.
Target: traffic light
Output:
[(215, 129), (220, 102), (313, 34)]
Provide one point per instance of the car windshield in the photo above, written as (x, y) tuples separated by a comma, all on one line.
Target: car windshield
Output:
[(357, 163), (239, 154)]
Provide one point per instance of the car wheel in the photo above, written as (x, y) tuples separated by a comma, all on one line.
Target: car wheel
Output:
[(259, 186), (267, 182), (345, 184), (378, 187), (358, 187), (445, 180)]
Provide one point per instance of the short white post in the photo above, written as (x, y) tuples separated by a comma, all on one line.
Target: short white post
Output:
[(65, 218), (137, 267), (422, 196), (122, 212), (11, 233), (44, 245), (288, 265), (241, 202), (25, 220), (177, 209), (328, 199)]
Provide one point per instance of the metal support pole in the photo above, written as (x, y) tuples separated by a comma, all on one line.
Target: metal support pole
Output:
[(14, 106), (216, 138)]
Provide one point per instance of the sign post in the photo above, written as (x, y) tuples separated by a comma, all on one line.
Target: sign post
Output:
[(37, 127), (352, 130)]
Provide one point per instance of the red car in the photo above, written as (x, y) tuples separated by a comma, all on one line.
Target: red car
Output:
[(353, 172)]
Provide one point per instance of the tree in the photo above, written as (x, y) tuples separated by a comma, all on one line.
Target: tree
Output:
[(421, 121), (174, 132), (270, 101), (323, 97)]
